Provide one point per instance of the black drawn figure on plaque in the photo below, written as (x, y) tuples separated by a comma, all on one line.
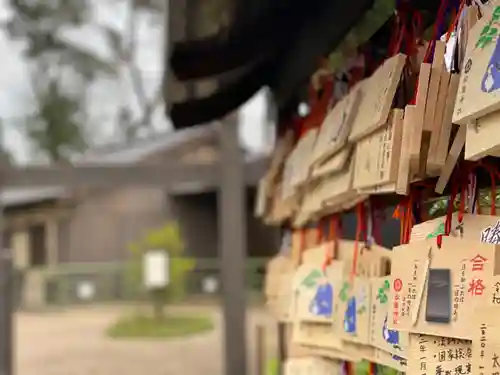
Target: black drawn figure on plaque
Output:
[(491, 234), (495, 358)]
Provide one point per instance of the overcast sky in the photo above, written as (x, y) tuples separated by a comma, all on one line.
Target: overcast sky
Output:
[(106, 95)]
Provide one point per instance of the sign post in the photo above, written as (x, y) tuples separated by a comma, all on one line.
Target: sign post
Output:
[(156, 277)]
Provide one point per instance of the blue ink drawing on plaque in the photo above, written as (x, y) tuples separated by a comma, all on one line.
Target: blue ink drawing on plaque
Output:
[(350, 316), (391, 336), (491, 78), (322, 303)]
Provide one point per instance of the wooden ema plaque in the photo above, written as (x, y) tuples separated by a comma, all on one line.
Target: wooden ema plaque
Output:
[(283, 148), (355, 293), (278, 286), (390, 360), (334, 164), (310, 205), (438, 160), (437, 121), (296, 350), (378, 155), (296, 169), (483, 137), (479, 88), (269, 183), (439, 355), (437, 68), (417, 115), (475, 227), (314, 301), (331, 180), (315, 335), (378, 94), (381, 336), (311, 365), (442, 307), (288, 172), (375, 355), (485, 341), (336, 190), (262, 200), (335, 129), (301, 158), (403, 180), (451, 160), (279, 209)]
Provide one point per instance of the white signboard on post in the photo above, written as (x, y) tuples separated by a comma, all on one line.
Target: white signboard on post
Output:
[(85, 290), (156, 269)]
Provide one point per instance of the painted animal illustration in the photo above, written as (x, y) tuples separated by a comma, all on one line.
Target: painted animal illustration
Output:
[(322, 303), (350, 316), (491, 78), (391, 336)]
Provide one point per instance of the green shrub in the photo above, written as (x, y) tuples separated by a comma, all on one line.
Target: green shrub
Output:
[(167, 238)]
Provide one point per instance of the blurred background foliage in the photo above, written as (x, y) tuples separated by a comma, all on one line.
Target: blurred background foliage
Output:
[(61, 72), (439, 206)]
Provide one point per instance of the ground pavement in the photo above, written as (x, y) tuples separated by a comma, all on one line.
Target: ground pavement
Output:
[(73, 342)]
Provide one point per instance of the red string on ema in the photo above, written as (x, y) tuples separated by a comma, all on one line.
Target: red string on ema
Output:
[(397, 34), (360, 217), (440, 18), (331, 246), (404, 213)]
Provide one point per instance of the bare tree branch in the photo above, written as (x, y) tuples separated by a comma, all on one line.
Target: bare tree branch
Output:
[(130, 53), (126, 48)]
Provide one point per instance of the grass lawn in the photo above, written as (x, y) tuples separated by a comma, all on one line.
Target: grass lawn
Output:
[(141, 326)]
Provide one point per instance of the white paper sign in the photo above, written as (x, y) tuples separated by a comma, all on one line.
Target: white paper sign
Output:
[(85, 290), (156, 269), (210, 285)]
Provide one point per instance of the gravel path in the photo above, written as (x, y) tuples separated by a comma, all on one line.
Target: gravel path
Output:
[(73, 343)]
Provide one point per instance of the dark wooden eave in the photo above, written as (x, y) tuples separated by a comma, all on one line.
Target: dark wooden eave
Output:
[(297, 36), (226, 99), (317, 37), (248, 39), (276, 43)]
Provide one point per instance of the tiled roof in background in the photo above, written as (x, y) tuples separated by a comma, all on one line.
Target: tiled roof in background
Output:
[(122, 153), (110, 154), (16, 197), (118, 154)]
